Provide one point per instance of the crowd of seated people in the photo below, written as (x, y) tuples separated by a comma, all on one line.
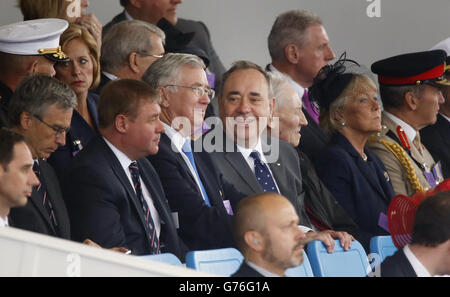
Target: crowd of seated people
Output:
[(125, 151)]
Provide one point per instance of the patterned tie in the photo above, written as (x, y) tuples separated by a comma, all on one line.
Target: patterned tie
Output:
[(310, 108), (150, 226), (263, 175), (41, 189), (188, 152)]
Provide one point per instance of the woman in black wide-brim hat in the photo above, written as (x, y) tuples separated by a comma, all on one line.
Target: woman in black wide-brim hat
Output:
[(350, 113)]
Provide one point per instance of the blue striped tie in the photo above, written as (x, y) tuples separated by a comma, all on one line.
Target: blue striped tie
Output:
[(41, 189), (188, 152), (134, 170)]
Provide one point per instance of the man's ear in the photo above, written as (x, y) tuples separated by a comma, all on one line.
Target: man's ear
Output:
[(133, 63), (32, 67), (26, 120), (292, 53), (164, 97), (254, 241), (135, 3), (411, 100), (121, 123)]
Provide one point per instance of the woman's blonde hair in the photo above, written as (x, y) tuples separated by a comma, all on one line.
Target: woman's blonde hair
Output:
[(77, 31), (39, 9), (358, 84)]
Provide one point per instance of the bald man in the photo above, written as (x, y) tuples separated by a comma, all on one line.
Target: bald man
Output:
[(266, 231)]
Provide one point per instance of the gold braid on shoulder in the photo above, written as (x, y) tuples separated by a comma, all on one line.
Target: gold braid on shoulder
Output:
[(400, 154)]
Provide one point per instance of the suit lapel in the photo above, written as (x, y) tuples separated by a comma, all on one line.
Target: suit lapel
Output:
[(238, 162), (118, 170)]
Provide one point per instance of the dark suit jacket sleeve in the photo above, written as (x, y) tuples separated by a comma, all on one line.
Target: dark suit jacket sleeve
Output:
[(93, 209), (200, 226)]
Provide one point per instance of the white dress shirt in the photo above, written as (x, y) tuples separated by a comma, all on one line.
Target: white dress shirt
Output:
[(261, 270), (409, 131), (418, 267), (300, 90), (445, 117), (4, 222), (178, 141), (125, 163), (110, 75)]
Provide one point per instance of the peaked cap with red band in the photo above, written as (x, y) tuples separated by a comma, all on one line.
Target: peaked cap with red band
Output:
[(413, 69)]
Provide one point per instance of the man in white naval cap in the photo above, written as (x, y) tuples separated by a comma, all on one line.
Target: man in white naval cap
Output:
[(26, 48)]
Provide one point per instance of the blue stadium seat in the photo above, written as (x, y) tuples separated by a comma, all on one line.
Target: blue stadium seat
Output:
[(383, 246), (303, 270), (167, 258), (353, 262), (222, 262)]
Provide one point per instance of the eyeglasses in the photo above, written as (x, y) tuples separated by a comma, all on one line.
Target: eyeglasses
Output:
[(199, 91), (58, 130), (149, 55)]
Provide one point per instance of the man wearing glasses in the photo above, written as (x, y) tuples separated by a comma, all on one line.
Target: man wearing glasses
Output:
[(128, 49), (41, 110), (200, 200)]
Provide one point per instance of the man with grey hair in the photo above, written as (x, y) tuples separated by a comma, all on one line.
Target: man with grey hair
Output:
[(299, 47), (199, 198), (128, 49), (41, 110)]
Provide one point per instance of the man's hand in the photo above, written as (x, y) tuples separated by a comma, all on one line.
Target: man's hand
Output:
[(122, 250), (327, 237), (93, 25)]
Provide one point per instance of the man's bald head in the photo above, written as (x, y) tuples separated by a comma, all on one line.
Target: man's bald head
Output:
[(253, 213)]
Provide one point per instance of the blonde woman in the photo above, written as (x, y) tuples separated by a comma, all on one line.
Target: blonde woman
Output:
[(82, 74), (350, 113)]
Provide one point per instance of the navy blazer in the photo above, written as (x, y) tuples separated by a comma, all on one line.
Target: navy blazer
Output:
[(79, 131), (397, 265), (201, 226), (34, 217), (103, 205), (436, 139), (362, 188)]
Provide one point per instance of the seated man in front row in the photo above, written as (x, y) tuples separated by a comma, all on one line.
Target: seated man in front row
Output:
[(266, 231), (114, 195), (253, 162)]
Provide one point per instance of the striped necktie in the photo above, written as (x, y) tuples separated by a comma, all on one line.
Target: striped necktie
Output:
[(150, 225), (41, 189)]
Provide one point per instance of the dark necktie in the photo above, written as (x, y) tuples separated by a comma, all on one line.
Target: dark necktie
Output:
[(188, 152), (41, 189), (150, 225), (263, 174)]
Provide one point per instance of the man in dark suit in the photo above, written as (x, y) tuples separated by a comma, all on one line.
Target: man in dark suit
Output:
[(428, 254), (128, 49), (248, 159), (265, 228), (41, 109), (17, 178), (299, 47), (27, 48), (181, 33), (436, 137), (114, 196), (198, 196)]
